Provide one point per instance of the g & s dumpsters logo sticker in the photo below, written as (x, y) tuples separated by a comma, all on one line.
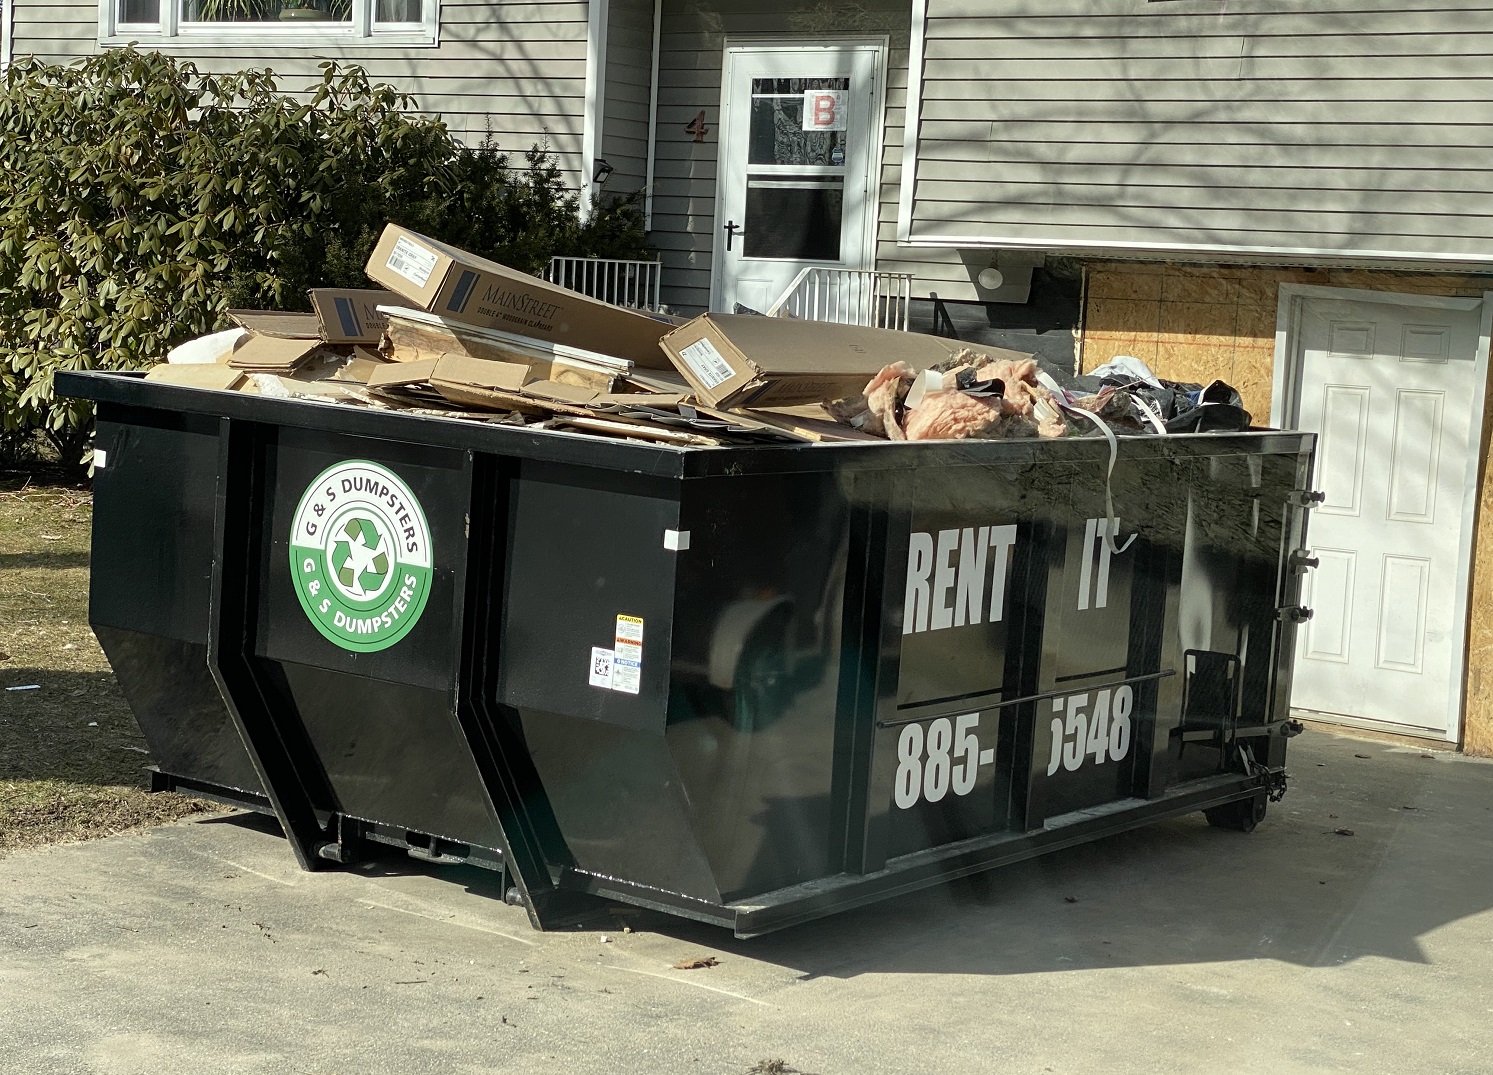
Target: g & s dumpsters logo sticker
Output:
[(360, 556)]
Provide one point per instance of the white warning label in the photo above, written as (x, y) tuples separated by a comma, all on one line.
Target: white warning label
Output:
[(627, 659)]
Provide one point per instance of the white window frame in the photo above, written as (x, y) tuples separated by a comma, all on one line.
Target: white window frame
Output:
[(359, 32)]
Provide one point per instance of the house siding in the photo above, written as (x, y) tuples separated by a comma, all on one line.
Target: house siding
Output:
[(1343, 129), (693, 39), (628, 74), (516, 69)]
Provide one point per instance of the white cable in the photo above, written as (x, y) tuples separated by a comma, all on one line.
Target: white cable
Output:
[(1111, 522)]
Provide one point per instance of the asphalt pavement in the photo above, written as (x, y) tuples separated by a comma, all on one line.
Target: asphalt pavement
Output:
[(201, 948)]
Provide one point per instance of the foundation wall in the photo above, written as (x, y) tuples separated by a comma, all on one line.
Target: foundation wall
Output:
[(1199, 323)]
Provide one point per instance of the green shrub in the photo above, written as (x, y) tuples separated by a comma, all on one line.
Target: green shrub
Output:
[(141, 198)]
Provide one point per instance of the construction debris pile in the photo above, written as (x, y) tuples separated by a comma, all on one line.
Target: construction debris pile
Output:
[(453, 335)]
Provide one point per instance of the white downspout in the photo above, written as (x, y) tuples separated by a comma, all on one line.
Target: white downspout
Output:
[(658, 35), (596, 81), (7, 16)]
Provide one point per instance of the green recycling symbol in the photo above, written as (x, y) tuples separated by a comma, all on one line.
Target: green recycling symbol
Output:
[(360, 559)]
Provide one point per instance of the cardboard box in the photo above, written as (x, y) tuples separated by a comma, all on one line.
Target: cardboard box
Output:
[(350, 315), (412, 335), (453, 283), (742, 360)]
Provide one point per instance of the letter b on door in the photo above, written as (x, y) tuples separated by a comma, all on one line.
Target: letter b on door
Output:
[(824, 110)]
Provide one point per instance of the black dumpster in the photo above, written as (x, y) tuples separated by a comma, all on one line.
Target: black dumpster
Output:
[(749, 686)]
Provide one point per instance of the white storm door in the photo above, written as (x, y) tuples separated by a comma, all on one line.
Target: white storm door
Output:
[(800, 137), (1390, 391)]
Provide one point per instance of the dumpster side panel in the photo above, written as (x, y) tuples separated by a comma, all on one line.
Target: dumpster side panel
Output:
[(1241, 530), (389, 753), (585, 549), (1107, 651), (589, 578), (756, 670), (179, 709), (149, 588), (1052, 655), (378, 722)]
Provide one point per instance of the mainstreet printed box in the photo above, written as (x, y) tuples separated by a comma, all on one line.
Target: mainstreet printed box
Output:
[(453, 283)]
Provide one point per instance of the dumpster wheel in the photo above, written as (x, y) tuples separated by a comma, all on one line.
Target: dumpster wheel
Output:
[(1242, 815)]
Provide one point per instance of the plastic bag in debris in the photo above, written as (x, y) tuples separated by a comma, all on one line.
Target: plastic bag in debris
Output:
[(213, 347), (1218, 409), (1126, 368), (1157, 405)]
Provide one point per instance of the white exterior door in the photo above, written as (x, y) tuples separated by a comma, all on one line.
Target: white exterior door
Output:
[(800, 140), (1392, 392)]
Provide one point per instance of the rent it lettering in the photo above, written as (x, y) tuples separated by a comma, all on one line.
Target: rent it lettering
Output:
[(947, 574)]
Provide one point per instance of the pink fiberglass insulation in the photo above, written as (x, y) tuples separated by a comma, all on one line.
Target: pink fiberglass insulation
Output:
[(954, 415)]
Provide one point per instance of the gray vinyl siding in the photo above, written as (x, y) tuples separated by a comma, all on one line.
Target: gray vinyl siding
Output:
[(517, 69), (628, 72), (1341, 129), (684, 226), (58, 31)]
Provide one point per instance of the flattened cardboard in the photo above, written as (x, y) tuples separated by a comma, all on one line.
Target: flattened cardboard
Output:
[(641, 430), (754, 422), (557, 390), (741, 360), (197, 375), (453, 283), (360, 366), (639, 399), (812, 423), (278, 323), (478, 373), (399, 374), (272, 354), (659, 381), (350, 315)]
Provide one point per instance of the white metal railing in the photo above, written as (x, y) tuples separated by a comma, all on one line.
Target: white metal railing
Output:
[(847, 297), (635, 284)]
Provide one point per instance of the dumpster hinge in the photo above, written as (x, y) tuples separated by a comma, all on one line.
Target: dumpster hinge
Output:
[(345, 847)]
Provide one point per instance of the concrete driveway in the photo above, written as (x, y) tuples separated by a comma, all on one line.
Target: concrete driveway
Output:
[(201, 948)]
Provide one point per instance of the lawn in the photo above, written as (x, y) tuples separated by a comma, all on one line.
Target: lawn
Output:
[(71, 756)]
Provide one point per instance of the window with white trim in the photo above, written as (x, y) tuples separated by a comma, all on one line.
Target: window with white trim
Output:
[(270, 22)]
